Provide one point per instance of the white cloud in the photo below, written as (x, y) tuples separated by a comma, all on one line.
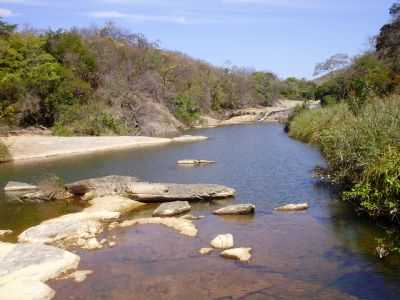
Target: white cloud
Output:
[(6, 12), (136, 17), (276, 3)]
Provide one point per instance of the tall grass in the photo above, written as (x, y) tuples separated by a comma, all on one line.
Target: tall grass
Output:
[(362, 150)]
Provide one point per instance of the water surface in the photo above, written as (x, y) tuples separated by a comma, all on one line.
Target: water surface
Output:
[(324, 253)]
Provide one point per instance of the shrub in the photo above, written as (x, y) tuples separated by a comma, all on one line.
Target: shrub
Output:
[(186, 110)]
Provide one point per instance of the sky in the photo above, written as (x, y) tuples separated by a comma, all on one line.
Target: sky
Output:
[(287, 37)]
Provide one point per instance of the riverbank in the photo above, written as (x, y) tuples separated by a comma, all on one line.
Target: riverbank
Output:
[(27, 148)]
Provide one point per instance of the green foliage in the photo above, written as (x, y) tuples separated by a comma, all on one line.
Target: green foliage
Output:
[(362, 149), (298, 89), (186, 110), (6, 29), (266, 87), (88, 120)]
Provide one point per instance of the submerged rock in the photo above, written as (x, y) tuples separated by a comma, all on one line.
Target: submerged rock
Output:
[(5, 232), (169, 192), (25, 267), (194, 162), (293, 207), (118, 204), (238, 209), (78, 276), (184, 227), (191, 217), (172, 209), (14, 186), (242, 254), (223, 241), (206, 251)]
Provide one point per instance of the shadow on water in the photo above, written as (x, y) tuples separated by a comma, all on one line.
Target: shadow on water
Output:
[(324, 253)]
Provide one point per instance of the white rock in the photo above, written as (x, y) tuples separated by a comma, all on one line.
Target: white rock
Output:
[(238, 209), (172, 208), (112, 244), (118, 204), (189, 138), (206, 251), (223, 241), (183, 226), (26, 289), (242, 254), (293, 207)]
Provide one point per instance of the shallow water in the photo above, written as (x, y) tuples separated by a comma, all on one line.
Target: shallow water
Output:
[(324, 253)]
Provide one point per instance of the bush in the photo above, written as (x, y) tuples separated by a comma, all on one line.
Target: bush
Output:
[(186, 110), (362, 150)]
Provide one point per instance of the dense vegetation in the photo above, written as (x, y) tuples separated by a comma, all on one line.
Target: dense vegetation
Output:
[(358, 129), (108, 81)]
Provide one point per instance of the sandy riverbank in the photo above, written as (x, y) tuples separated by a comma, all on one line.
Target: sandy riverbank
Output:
[(27, 148)]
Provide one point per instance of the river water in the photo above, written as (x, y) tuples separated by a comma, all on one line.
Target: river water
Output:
[(326, 252)]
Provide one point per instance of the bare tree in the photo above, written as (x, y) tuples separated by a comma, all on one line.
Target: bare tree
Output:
[(335, 62)]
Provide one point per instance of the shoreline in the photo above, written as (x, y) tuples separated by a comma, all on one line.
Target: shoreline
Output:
[(33, 148)]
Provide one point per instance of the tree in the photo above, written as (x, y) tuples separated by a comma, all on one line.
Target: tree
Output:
[(6, 29), (335, 62)]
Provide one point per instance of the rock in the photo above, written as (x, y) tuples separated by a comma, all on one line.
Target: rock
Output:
[(184, 227), (172, 209), (5, 232), (239, 209), (26, 289), (113, 204), (14, 186), (24, 268), (113, 225), (91, 244), (223, 241), (103, 186), (70, 230), (194, 162), (179, 192), (191, 217), (89, 196), (38, 196), (242, 254), (293, 207), (78, 276), (112, 244), (189, 138), (206, 251)]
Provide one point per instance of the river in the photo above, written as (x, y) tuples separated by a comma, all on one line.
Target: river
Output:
[(326, 252)]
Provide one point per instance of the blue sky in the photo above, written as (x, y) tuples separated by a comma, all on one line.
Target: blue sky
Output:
[(287, 37)]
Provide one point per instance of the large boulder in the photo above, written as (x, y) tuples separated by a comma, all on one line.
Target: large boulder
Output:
[(238, 209), (103, 186), (172, 209), (168, 192), (38, 196)]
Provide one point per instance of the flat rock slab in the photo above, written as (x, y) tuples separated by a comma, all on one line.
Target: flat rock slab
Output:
[(172, 209), (117, 204), (242, 254), (238, 209), (103, 186), (293, 207), (195, 162), (69, 230), (14, 186), (223, 241), (25, 267), (183, 226), (189, 139), (180, 192)]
